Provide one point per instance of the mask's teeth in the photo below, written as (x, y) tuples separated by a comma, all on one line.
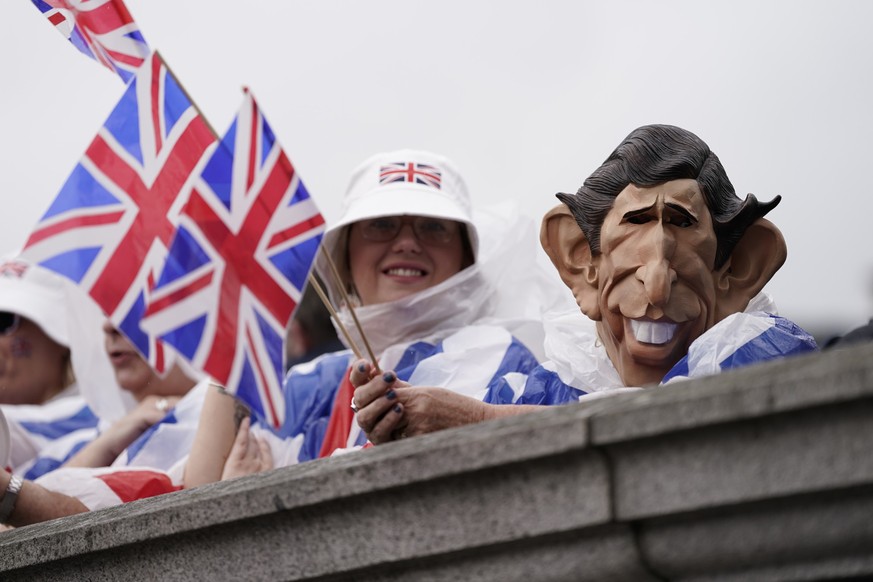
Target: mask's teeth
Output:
[(653, 332)]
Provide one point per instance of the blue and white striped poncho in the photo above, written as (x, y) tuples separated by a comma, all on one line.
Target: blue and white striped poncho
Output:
[(741, 339), (45, 436), (474, 361)]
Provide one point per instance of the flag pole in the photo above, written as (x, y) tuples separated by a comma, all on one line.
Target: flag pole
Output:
[(339, 283), (188, 96), (326, 301)]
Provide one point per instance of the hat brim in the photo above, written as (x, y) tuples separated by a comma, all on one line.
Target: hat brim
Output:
[(44, 309)]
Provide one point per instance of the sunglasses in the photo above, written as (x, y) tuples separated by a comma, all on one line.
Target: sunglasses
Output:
[(426, 229), (9, 322)]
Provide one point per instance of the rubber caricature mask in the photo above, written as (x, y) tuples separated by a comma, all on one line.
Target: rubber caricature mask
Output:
[(649, 260)]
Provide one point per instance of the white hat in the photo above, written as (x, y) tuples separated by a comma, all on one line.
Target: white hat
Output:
[(37, 294), (403, 182)]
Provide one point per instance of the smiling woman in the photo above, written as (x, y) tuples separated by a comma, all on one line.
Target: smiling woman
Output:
[(407, 251), (394, 256)]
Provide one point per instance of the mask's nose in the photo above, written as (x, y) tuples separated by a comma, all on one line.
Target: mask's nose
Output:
[(657, 278), (656, 273)]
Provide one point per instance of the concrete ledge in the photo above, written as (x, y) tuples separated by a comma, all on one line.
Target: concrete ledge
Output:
[(761, 474)]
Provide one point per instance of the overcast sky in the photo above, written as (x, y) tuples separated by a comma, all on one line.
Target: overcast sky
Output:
[(526, 97)]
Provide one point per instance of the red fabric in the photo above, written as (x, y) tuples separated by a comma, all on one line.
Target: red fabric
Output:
[(131, 485), (339, 426)]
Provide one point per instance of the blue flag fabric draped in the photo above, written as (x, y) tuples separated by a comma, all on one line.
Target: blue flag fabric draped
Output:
[(237, 266)]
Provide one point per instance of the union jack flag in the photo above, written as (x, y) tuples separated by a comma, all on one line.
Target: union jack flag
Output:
[(13, 268), (413, 172), (237, 266), (102, 29), (109, 226)]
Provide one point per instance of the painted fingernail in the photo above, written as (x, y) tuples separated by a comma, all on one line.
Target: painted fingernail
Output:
[(362, 367), (391, 395), (389, 377), (398, 409)]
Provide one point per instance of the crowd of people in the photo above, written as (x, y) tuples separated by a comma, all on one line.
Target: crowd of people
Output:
[(664, 263)]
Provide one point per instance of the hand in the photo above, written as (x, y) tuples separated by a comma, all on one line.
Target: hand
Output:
[(429, 409), (103, 450), (389, 409), (249, 454), (150, 410), (379, 412)]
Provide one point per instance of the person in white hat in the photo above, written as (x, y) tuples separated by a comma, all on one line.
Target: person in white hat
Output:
[(35, 362), (38, 388), (408, 253)]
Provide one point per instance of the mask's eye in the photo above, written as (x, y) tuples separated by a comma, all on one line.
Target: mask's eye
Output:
[(681, 221), (639, 219)]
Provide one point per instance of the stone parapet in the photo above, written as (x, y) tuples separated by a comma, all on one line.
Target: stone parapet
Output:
[(764, 473)]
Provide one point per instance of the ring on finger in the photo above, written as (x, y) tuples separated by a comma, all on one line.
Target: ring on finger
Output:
[(162, 404), (354, 406)]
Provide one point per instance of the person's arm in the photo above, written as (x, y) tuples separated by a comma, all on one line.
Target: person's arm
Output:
[(102, 451), (35, 504), (215, 436)]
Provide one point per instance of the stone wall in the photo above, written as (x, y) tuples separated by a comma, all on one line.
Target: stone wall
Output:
[(760, 474)]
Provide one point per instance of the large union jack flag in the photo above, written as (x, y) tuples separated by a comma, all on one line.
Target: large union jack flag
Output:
[(412, 172), (102, 29), (237, 266), (110, 225)]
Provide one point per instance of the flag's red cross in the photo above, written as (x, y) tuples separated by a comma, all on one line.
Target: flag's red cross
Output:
[(152, 202), (237, 252), (409, 173), (104, 19)]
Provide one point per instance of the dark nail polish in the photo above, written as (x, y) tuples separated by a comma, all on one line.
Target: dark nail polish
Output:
[(389, 377), (362, 367), (398, 409), (391, 395)]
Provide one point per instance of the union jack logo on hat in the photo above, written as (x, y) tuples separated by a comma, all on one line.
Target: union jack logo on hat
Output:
[(411, 172), (13, 269)]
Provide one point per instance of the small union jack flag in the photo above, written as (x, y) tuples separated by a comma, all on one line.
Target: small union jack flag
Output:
[(413, 172), (238, 264), (109, 226), (101, 29), (13, 268)]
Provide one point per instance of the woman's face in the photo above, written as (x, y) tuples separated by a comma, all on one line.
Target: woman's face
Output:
[(394, 256), (134, 374), (33, 367)]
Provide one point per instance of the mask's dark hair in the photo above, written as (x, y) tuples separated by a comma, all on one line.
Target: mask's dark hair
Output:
[(655, 154)]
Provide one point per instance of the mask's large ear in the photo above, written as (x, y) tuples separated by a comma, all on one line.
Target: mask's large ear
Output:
[(567, 247), (754, 261)]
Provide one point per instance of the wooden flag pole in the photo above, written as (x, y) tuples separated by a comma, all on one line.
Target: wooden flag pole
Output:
[(326, 301), (339, 283)]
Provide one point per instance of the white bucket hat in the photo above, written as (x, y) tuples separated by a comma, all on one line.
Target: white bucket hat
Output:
[(37, 294), (402, 182)]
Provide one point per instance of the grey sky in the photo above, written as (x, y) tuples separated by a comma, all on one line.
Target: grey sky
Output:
[(526, 97)]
